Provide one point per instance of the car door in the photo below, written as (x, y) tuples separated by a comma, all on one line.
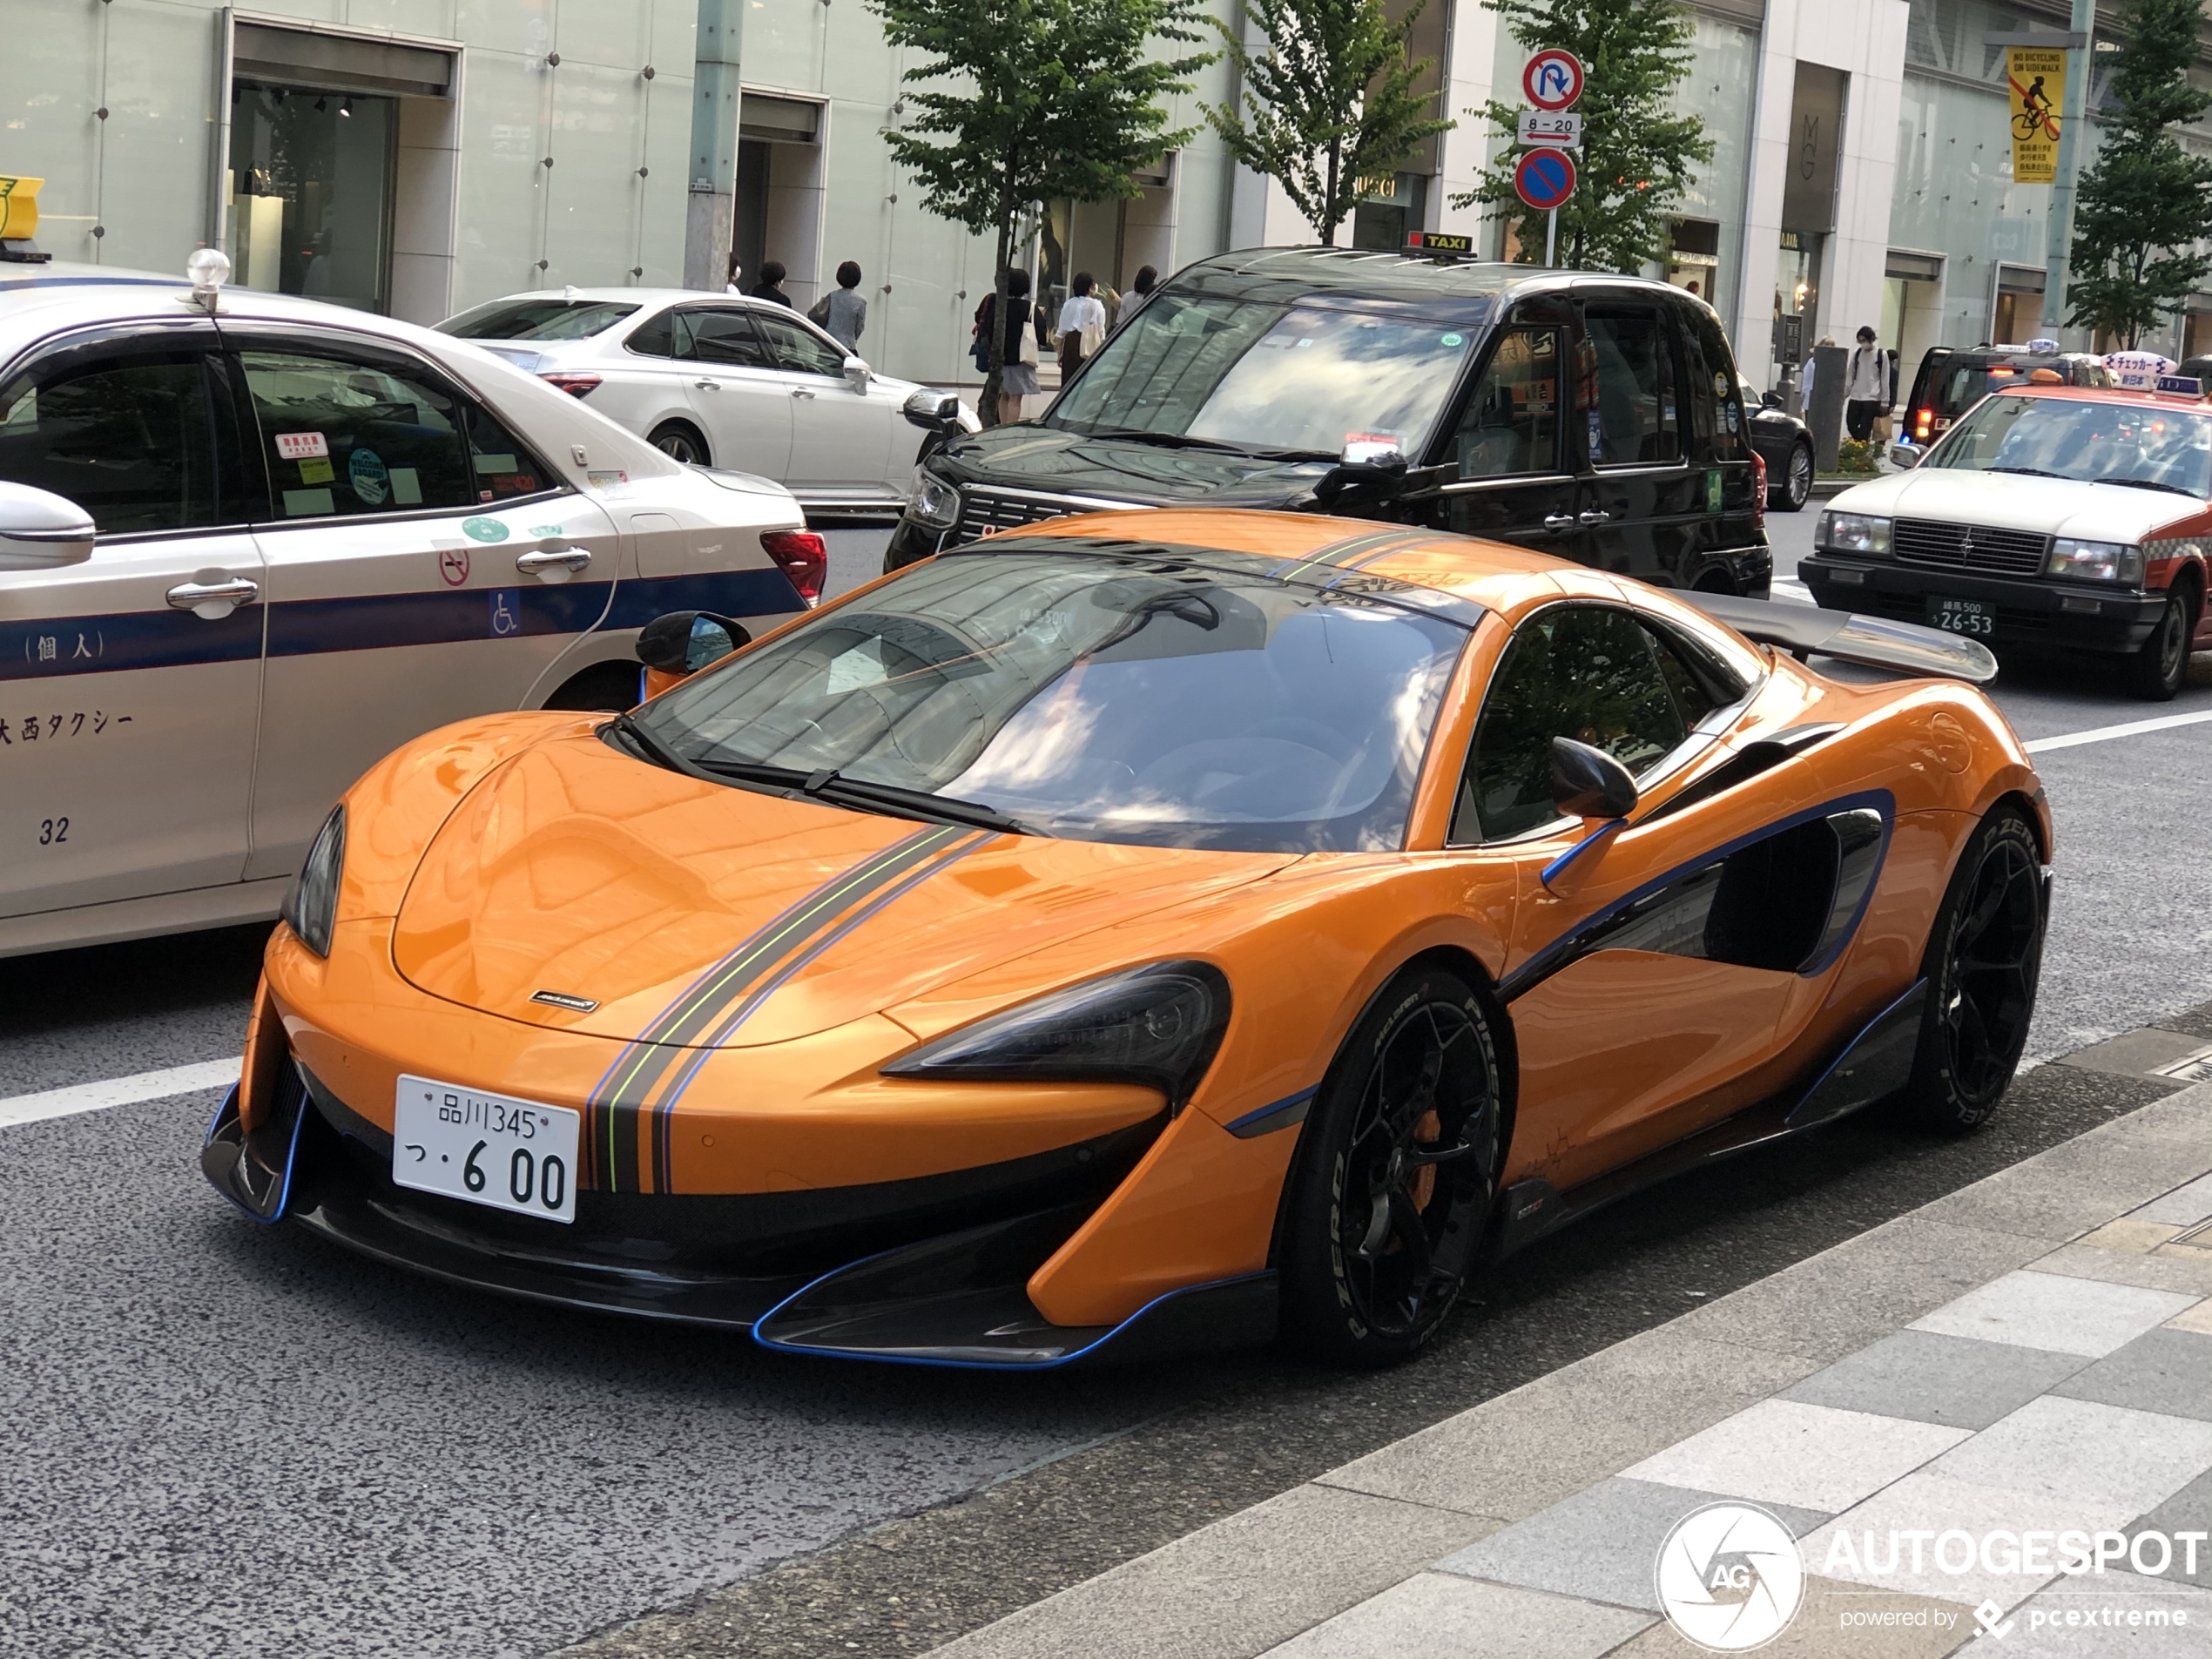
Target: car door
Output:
[(645, 382), (1644, 502), (424, 564), (1514, 481), (1629, 1023), (840, 437), (740, 395), (131, 683)]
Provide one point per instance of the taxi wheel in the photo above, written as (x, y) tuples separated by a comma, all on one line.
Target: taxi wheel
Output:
[(683, 442), (1983, 958), (2162, 663), (1395, 1171), (1795, 487)]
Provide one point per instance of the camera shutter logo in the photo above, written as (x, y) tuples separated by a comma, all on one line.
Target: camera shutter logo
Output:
[(1730, 1577)]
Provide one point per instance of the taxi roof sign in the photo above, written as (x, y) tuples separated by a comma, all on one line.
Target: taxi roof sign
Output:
[(1449, 244), (19, 218)]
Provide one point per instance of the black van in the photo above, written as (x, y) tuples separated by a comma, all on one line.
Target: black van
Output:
[(1594, 417), (1952, 379)]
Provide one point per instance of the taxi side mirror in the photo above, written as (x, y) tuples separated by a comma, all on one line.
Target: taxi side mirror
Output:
[(858, 373), (1588, 783), (684, 642), (39, 530), (936, 412), (1770, 400)]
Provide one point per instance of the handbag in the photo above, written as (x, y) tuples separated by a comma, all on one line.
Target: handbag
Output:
[(818, 312), (1881, 428), (1028, 343)]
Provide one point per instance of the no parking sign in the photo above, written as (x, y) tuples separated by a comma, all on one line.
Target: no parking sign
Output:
[(1544, 179)]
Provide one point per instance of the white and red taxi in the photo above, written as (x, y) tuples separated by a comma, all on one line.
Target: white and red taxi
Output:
[(2072, 517)]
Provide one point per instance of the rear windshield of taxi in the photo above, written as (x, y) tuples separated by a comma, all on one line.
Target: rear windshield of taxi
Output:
[(538, 319)]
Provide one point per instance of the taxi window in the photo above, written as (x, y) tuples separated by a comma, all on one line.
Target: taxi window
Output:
[(800, 350), (1511, 422), (724, 337), (128, 442), (503, 469), (346, 438), (1632, 418)]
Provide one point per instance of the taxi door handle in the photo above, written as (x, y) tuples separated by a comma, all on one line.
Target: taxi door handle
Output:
[(1560, 521), (708, 385), (213, 599), (800, 391), (553, 563), (1594, 518)]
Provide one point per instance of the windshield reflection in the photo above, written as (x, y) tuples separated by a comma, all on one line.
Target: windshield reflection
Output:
[(2154, 445), (1300, 378)]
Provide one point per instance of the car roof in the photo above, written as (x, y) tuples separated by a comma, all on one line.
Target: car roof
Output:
[(637, 296), (1353, 274), (2106, 395)]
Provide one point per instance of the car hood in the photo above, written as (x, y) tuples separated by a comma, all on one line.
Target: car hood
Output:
[(1114, 469), (578, 871), (2016, 501)]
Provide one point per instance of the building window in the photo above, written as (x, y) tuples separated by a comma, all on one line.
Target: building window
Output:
[(311, 192)]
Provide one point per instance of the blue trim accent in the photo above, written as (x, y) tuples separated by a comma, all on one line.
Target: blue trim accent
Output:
[(291, 1154), (1828, 958), (1845, 1053), (970, 1365), (1559, 866), (1548, 960), (229, 1105), (164, 638), (1238, 1126)]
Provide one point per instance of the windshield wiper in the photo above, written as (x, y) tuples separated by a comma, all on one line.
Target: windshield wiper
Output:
[(2149, 483), (2031, 472), (1185, 441), (826, 785)]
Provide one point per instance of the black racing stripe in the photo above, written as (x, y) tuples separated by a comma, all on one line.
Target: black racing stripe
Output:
[(1334, 555), (612, 1114)]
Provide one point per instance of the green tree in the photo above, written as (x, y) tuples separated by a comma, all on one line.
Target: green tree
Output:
[(1022, 101), (1329, 101), (1637, 157), (2146, 202)]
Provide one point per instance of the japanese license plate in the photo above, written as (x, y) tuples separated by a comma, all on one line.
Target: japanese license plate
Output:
[(1974, 617), (487, 1149)]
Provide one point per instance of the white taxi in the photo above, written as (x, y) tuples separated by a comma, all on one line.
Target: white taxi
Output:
[(250, 543)]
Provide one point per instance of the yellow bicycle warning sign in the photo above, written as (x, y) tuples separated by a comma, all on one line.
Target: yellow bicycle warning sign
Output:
[(2035, 84)]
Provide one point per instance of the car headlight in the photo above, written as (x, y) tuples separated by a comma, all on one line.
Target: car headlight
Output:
[(935, 503), (311, 909), (1853, 533), (1157, 1026), (2096, 561)]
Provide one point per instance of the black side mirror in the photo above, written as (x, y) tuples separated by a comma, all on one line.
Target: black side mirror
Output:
[(684, 642), (937, 412), (1770, 400), (1590, 783)]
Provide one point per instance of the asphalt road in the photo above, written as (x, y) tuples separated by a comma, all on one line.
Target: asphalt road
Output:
[(220, 1441)]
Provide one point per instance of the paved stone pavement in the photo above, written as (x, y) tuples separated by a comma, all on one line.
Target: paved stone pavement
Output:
[(1986, 1424)]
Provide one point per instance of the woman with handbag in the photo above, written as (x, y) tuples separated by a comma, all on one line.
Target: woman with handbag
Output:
[(1083, 325), (1018, 368)]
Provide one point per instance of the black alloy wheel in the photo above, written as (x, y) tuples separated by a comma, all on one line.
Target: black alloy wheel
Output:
[(682, 442), (1397, 1167), (1984, 956), (1795, 487), (2162, 663)]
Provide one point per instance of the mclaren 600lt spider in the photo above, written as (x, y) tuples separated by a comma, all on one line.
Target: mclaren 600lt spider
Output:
[(1137, 931)]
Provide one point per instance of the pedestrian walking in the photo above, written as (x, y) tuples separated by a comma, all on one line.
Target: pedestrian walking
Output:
[(842, 311), (1018, 371), (770, 285), (1866, 385), (1081, 328), (1140, 290), (731, 286)]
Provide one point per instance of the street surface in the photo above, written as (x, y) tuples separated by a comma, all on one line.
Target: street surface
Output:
[(220, 1441)]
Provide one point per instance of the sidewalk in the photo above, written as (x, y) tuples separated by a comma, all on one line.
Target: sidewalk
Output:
[(2014, 1378)]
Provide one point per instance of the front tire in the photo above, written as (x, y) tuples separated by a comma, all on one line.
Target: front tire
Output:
[(1983, 954), (681, 441), (2162, 663), (1795, 489), (1396, 1168)]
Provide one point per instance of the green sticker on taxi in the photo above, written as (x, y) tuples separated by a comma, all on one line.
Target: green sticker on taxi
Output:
[(484, 529), (1713, 492)]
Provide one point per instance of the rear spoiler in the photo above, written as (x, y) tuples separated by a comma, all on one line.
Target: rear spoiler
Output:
[(1876, 641)]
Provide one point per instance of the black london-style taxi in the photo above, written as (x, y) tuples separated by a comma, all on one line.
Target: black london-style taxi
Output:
[(1597, 418)]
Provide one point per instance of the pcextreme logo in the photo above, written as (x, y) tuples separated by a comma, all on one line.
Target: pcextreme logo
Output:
[(1730, 1577)]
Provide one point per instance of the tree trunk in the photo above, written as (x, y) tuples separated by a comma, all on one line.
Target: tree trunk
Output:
[(1329, 201), (986, 409)]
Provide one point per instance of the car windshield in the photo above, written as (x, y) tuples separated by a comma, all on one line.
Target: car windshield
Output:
[(1097, 697), (2155, 446), (538, 319), (1270, 377)]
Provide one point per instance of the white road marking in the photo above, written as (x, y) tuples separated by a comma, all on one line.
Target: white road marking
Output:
[(2105, 734), (118, 1091)]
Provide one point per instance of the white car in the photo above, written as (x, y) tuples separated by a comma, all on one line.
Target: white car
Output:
[(249, 544), (724, 381)]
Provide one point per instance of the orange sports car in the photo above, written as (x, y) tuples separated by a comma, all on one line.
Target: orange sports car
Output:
[(1138, 931)]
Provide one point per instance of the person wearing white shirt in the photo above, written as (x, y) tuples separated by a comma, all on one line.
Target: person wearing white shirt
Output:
[(1081, 328), (1866, 386)]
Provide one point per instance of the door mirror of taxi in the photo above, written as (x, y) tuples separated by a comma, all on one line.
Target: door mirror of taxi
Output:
[(934, 411), (1588, 783), (39, 530), (1770, 400), (1904, 456), (684, 642), (858, 373)]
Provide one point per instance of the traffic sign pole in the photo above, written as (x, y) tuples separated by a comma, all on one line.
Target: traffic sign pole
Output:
[(1551, 240)]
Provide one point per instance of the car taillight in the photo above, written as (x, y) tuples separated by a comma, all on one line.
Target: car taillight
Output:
[(573, 385), (1758, 491), (802, 557), (1922, 422)]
